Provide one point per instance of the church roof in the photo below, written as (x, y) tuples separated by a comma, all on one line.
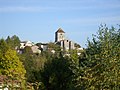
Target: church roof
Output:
[(60, 30)]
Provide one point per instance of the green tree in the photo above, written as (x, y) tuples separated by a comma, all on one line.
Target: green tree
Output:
[(103, 53), (33, 64), (77, 45), (77, 66), (3, 46), (55, 47), (10, 65), (57, 75), (13, 42)]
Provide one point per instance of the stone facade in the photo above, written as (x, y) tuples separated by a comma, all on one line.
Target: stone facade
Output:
[(34, 48), (60, 39), (59, 35), (23, 44)]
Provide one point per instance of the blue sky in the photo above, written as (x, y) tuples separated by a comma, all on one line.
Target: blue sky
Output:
[(37, 20)]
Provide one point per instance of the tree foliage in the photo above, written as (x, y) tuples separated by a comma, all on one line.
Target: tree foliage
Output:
[(13, 42), (103, 70), (10, 65), (57, 75)]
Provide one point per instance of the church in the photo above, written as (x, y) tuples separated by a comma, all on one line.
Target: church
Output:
[(61, 40)]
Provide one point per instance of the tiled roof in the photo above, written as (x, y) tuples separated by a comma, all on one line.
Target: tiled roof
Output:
[(60, 30)]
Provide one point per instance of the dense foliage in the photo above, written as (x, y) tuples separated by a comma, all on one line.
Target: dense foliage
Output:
[(103, 70), (10, 64)]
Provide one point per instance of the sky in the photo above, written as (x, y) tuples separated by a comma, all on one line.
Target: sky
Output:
[(38, 20)]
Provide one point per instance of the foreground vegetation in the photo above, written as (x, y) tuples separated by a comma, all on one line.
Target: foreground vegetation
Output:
[(97, 68)]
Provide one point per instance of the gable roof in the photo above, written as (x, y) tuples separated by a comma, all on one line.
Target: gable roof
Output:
[(60, 31)]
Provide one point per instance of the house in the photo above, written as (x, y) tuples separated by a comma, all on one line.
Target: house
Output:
[(23, 44), (34, 48), (44, 46)]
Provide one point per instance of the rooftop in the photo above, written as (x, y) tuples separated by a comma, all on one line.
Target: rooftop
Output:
[(60, 30)]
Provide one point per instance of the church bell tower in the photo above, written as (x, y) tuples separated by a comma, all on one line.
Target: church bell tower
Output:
[(59, 35)]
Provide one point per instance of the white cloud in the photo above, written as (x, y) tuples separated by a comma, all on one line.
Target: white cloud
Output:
[(93, 20), (24, 9), (70, 7)]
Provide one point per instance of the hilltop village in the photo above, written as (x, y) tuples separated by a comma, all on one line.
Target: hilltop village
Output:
[(65, 45), (62, 64), (22, 61)]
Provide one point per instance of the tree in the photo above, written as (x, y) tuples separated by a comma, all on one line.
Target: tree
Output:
[(13, 42), (103, 54), (33, 64), (77, 45), (55, 47), (10, 65), (3, 46), (56, 74)]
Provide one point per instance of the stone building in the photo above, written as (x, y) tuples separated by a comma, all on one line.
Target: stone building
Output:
[(61, 39), (23, 44), (34, 48)]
